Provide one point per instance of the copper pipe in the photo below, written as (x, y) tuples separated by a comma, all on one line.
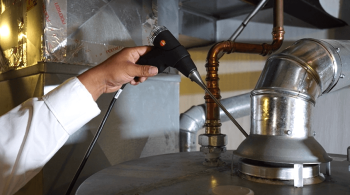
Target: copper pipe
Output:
[(213, 124)]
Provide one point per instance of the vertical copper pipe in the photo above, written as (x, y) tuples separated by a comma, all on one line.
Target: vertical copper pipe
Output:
[(213, 124), (278, 14)]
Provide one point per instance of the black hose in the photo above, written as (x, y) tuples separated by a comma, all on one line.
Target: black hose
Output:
[(94, 140)]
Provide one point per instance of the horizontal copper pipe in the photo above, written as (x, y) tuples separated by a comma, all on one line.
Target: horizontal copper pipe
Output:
[(212, 125)]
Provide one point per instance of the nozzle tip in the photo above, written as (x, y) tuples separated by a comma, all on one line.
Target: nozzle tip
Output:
[(196, 77)]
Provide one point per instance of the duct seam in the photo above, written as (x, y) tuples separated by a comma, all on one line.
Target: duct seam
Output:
[(280, 92), (301, 63)]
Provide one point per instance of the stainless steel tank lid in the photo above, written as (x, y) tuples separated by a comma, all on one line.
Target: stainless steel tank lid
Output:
[(231, 189), (183, 173)]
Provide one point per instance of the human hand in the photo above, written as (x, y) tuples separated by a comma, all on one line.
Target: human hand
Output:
[(117, 70)]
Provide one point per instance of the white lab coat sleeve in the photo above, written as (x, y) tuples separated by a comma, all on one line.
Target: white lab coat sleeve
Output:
[(34, 131)]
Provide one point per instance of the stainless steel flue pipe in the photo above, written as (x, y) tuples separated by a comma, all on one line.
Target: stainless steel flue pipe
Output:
[(283, 99), (193, 119)]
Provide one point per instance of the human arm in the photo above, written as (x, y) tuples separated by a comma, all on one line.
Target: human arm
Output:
[(34, 131)]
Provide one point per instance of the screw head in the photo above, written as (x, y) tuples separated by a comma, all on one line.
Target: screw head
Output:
[(342, 76), (338, 49), (314, 133), (288, 132)]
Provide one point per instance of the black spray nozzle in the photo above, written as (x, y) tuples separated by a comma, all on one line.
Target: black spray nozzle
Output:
[(167, 52)]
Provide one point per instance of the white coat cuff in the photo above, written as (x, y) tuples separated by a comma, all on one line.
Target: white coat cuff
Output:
[(72, 105)]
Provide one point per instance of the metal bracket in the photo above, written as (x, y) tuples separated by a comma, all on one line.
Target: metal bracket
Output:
[(298, 176), (328, 169)]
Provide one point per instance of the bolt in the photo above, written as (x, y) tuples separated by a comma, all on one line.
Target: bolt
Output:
[(338, 49), (289, 132), (342, 75)]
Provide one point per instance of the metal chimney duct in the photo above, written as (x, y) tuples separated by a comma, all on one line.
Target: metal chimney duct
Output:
[(283, 99)]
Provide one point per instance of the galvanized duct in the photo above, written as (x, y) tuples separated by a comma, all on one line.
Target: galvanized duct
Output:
[(283, 98), (194, 119)]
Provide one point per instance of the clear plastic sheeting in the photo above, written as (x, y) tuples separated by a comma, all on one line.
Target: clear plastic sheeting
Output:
[(55, 29), (71, 31), (88, 32)]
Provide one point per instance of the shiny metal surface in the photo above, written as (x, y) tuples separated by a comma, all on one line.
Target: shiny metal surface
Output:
[(317, 59), (183, 173), (212, 156), (213, 159), (307, 181), (188, 141), (212, 145), (284, 96), (193, 119), (280, 115), (340, 49), (325, 60), (196, 77), (282, 149), (212, 63), (288, 76), (217, 150), (216, 140), (328, 168), (190, 122), (297, 175), (238, 106), (276, 171)]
